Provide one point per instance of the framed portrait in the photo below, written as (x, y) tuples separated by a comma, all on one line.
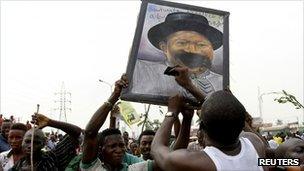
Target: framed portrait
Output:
[(170, 34)]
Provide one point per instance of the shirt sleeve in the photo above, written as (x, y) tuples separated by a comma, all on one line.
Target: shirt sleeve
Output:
[(93, 166), (142, 166), (65, 151), (131, 159), (74, 163)]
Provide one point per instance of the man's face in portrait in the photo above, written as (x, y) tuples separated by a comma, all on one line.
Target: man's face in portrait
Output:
[(190, 49)]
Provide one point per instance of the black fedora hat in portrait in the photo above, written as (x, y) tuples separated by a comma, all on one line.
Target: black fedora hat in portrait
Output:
[(181, 21)]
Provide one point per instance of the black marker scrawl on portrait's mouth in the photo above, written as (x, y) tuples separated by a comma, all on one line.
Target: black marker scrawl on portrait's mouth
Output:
[(193, 60)]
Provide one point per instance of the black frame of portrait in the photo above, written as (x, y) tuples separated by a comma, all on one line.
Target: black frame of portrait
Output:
[(159, 99)]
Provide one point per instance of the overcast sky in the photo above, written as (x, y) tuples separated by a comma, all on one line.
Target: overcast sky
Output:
[(45, 43)]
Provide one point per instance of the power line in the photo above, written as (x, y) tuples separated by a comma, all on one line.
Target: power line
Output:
[(64, 101)]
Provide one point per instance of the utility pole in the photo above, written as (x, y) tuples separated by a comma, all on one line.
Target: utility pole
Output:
[(64, 101), (260, 100)]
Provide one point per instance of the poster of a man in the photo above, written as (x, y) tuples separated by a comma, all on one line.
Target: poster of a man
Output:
[(177, 35)]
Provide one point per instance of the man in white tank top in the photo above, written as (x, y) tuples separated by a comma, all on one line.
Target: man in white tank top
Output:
[(223, 118)]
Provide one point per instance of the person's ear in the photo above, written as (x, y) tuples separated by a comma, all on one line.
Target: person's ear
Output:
[(163, 46), (103, 149)]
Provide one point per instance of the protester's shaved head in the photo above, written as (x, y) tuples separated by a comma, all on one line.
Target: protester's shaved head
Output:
[(291, 148), (38, 143), (38, 133), (223, 117)]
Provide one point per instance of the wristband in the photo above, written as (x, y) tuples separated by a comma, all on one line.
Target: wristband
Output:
[(108, 104)]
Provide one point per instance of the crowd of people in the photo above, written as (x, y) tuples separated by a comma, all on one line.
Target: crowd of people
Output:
[(226, 139)]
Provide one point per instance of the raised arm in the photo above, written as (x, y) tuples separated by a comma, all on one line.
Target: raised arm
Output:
[(184, 133), (181, 159), (65, 150), (90, 143), (160, 149), (42, 121), (183, 80)]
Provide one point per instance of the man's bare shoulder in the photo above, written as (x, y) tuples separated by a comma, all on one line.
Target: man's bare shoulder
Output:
[(251, 136), (191, 161), (256, 141)]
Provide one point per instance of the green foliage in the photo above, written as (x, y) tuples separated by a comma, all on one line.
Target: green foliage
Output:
[(288, 98)]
